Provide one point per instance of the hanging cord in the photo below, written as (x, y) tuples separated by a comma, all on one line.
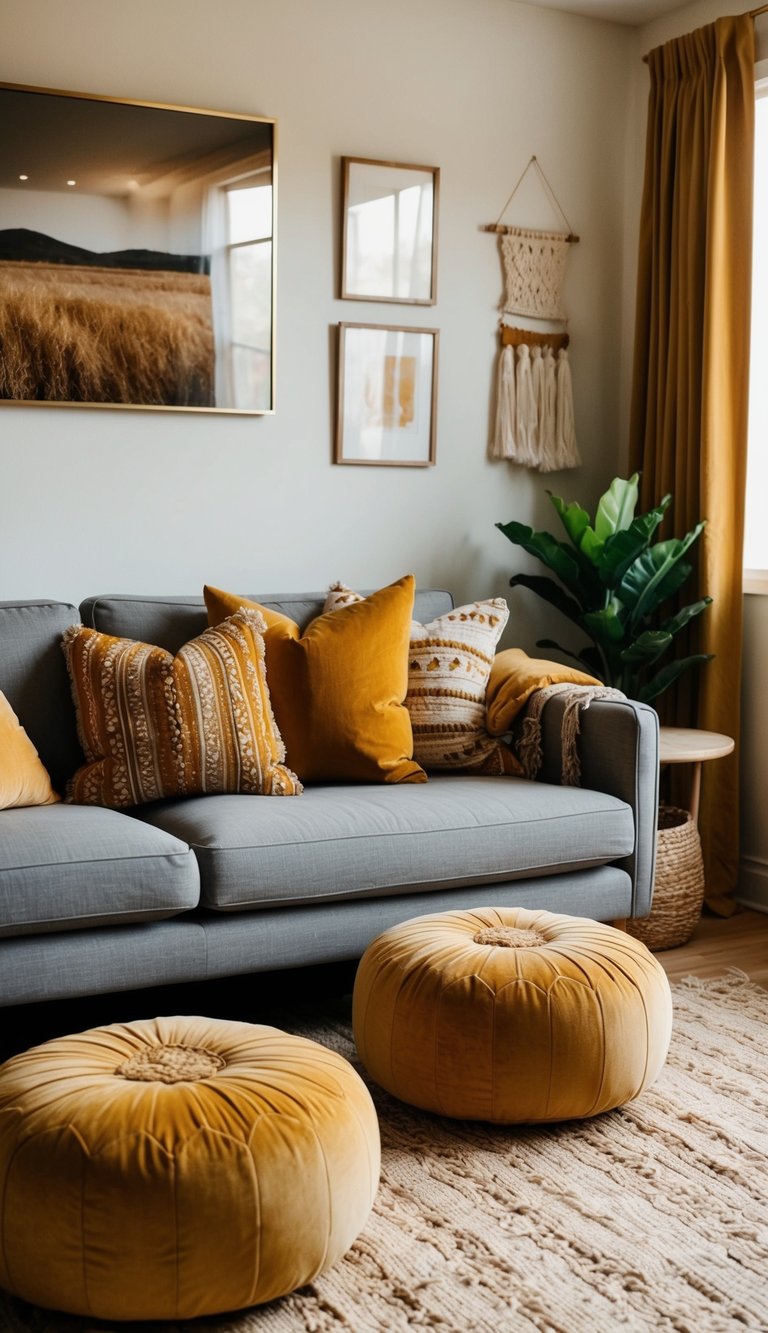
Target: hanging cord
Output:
[(533, 162)]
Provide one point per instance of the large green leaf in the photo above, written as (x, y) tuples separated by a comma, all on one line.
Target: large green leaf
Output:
[(668, 674), (656, 574), (591, 546), (678, 621), (620, 550), (551, 592), (554, 554), (574, 519), (609, 625), (647, 648), (616, 507)]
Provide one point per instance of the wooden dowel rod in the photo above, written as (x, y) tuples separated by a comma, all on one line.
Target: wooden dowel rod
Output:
[(512, 337), (500, 230)]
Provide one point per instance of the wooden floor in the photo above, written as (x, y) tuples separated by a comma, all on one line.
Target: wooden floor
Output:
[(740, 941)]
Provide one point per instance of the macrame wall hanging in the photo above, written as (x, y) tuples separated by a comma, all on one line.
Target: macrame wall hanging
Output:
[(534, 421)]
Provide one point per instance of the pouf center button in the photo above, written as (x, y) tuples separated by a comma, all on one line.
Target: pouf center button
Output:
[(510, 938), (171, 1064)]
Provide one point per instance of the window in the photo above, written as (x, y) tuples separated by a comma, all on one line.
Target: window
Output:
[(249, 268), (239, 236), (756, 530)]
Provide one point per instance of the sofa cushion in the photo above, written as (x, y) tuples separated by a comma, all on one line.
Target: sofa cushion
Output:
[(23, 778), (172, 621), (154, 725), (64, 867), (352, 841), (338, 689), (33, 678)]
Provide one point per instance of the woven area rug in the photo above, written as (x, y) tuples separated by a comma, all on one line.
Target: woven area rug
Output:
[(652, 1217)]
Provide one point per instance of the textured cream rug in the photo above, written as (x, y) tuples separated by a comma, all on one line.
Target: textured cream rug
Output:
[(651, 1217)]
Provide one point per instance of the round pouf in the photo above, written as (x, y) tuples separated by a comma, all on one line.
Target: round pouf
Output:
[(179, 1167), (511, 1015)]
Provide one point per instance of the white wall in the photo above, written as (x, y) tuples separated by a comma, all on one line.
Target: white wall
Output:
[(95, 500)]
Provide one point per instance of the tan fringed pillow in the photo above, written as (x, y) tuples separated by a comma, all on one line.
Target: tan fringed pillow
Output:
[(449, 664), (153, 725), (24, 779)]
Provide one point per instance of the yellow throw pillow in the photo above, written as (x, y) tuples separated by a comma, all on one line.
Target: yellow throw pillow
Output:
[(23, 777), (449, 664), (153, 725), (514, 677), (338, 688)]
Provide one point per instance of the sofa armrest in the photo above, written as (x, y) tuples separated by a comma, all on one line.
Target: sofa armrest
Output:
[(619, 753)]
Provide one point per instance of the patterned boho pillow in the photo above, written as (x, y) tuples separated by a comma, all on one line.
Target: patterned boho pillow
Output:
[(449, 664), (152, 725)]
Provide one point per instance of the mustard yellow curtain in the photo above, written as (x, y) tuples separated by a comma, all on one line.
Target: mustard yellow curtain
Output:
[(688, 430)]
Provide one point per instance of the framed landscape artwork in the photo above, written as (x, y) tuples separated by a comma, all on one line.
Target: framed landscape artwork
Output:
[(387, 395), (137, 260)]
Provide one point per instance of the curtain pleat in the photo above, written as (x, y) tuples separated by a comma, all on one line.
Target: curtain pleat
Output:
[(688, 431)]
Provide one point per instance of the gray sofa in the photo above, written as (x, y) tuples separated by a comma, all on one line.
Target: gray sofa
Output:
[(94, 900)]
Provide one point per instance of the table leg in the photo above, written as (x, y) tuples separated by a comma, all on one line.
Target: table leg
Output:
[(695, 792)]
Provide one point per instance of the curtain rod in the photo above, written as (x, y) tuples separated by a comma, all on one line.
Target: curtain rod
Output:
[(752, 13)]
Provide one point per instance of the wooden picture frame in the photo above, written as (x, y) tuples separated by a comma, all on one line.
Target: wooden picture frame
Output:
[(387, 396), (137, 254), (389, 231)]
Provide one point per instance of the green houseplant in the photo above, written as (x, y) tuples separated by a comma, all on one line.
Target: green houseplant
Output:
[(611, 582)]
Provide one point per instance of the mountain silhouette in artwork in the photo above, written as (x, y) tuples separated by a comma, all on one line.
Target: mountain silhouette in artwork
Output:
[(21, 245)]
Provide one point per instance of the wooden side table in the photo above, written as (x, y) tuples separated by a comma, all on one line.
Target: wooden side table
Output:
[(679, 887), (688, 745)]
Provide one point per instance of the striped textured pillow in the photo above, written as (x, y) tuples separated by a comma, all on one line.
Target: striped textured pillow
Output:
[(449, 664), (153, 725)]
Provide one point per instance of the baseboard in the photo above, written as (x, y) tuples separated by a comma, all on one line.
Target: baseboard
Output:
[(752, 890)]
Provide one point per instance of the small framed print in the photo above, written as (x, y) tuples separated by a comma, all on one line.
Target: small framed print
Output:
[(389, 234), (387, 396)]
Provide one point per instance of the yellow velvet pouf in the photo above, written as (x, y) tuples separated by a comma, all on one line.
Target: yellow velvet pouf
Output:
[(179, 1167), (511, 1015)]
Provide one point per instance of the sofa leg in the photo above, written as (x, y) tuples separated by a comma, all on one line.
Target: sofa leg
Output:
[(621, 924)]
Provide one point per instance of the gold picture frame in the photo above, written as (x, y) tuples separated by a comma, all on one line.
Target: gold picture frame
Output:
[(389, 231), (137, 254), (387, 396)]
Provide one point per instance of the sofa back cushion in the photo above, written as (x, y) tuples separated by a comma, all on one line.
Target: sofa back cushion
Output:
[(33, 678), (171, 622)]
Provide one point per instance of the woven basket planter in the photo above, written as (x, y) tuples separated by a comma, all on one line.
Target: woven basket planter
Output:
[(678, 890)]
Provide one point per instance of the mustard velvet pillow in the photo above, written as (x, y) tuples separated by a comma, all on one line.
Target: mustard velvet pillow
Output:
[(514, 677), (338, 688), (152, 725), (23, 778), (449, 662)]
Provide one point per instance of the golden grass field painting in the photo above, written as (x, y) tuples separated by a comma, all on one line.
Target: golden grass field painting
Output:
[(85, 334)]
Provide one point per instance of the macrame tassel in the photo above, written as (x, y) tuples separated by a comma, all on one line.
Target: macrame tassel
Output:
[(567, 452), (504, 444), (547, 411), (537, 367), (525, 418)]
